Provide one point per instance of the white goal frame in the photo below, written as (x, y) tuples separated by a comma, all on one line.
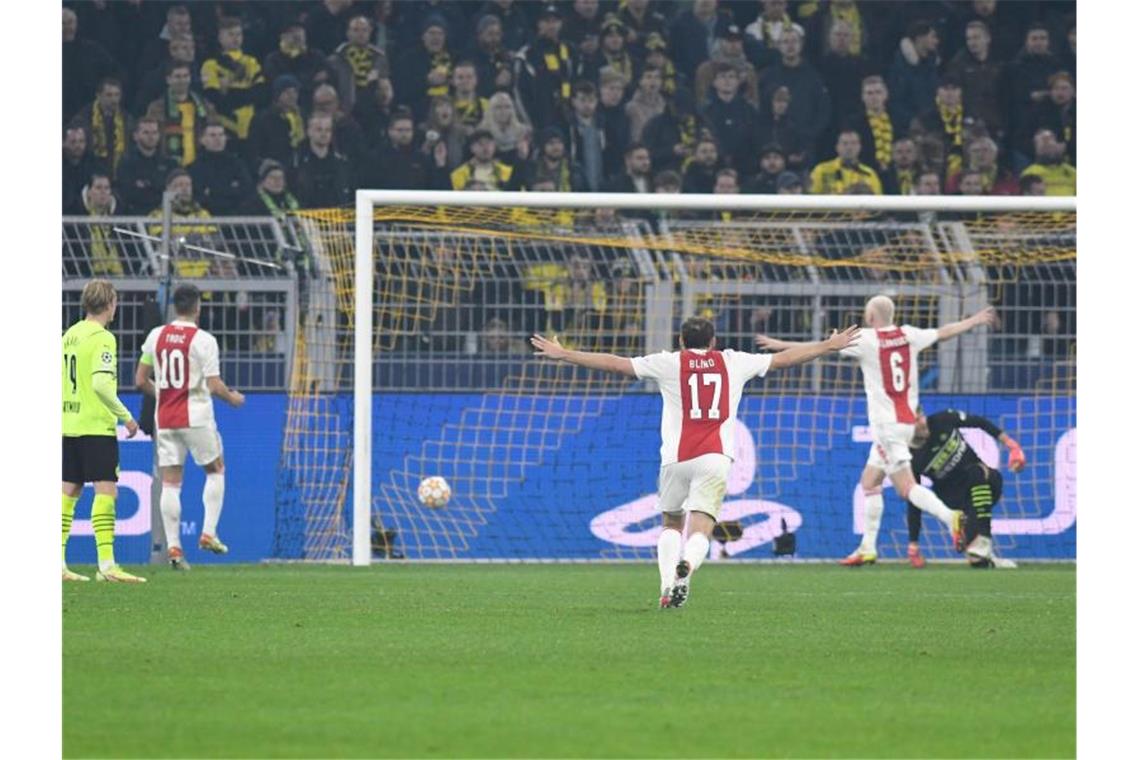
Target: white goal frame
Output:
[(367, 200)]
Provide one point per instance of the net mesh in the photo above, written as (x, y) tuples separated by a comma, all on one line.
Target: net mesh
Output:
[(549, 461)]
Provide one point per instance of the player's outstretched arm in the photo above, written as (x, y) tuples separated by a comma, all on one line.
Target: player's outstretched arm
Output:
[(805, 352), (551, 348), (775, 344), (218, 388), (987, 316)]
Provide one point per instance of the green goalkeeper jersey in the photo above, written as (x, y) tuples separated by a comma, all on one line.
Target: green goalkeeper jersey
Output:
[(88, 349)]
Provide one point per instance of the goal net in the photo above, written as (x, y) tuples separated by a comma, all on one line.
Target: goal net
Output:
[(411, 361)]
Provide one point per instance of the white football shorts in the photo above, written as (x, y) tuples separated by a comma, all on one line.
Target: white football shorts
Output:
[(203, 443), (890, 447), (694, 485)]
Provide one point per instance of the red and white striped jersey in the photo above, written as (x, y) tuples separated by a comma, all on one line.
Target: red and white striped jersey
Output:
[(183, 356), (888, 357), (701, 390)]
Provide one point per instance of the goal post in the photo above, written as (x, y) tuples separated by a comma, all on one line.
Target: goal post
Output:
[(800, 263)]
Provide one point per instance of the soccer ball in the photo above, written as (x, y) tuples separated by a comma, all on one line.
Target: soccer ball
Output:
[(434, 492)]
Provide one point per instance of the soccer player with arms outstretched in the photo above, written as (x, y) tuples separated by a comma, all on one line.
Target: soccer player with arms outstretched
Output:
[(91, 408), (184, 361), (888, 358), (700, 388), (961, 479)]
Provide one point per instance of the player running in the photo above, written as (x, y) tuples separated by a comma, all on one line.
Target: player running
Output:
[(184, 361), (701, 388), (960, 479), (888, 358), (91, 408)]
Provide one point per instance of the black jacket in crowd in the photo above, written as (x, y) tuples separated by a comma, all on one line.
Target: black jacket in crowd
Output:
[(734, 124), (141, 179), (321, 182), (221, 182)]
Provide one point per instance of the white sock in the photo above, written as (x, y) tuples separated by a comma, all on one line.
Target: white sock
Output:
[(923, 498), (696, 549), (212, 496), (171, 504), (668, 554), (872, 517)]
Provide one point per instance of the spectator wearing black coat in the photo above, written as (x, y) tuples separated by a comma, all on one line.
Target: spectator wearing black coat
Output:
[(85, 63), (514, 23), (691, 36), (984, 96), (842, 71), (398, 164), (913, 76), (325, 25), (810, 107), (946, 122), (700, 173), (279, 130), (543, 73), (614, 121), (583, 22), (636, 174), (272, 197), (672, 136), (348, 137), (295, 58), (640, 21), (357, 63), (1057, 113), (221, 178), (552, 164), (732, 120), (776, 125), (903, 175), (143, 172), (773, 163), (1029, 74), (78, 165), (494, 63), (107, 125), (877, 130), (322, 176), (424, 72)]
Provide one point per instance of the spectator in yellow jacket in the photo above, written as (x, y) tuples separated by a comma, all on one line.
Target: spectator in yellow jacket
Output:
[(1049, 164), (482, 171), (834, 177), (233, 80)]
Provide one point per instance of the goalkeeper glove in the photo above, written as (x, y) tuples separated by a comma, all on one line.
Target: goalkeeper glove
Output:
[(1016, 455)]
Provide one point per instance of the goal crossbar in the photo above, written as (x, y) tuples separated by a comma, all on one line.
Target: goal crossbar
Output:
[(368, 200)]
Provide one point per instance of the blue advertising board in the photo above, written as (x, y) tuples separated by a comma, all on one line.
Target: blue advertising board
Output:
[(557, 477)]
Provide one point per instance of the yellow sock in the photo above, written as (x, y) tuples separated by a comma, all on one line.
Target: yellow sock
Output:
[(68, 513), (103, 523)]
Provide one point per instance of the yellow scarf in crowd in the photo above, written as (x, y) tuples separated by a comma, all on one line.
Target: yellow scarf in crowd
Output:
[(884, 135), (118, 147), (952, 128), (360, 59)]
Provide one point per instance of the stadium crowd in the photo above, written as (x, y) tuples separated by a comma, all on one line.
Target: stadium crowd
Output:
[(259, 108)]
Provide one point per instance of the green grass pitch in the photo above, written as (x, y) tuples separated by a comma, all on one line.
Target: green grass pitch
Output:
[(572, 660)]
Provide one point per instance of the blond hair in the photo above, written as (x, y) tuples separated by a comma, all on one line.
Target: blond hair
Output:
[(98, 296), (884, 307)]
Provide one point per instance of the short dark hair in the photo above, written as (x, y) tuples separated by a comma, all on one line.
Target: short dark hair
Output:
[(400, 113), (697, 332), (629, 149), (919, 29), (174, 66), (108, 82), (186, 299), (585, 87), (1029, 180)]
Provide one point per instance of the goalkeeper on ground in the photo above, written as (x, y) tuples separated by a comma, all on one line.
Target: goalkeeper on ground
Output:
[(960, 479)]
